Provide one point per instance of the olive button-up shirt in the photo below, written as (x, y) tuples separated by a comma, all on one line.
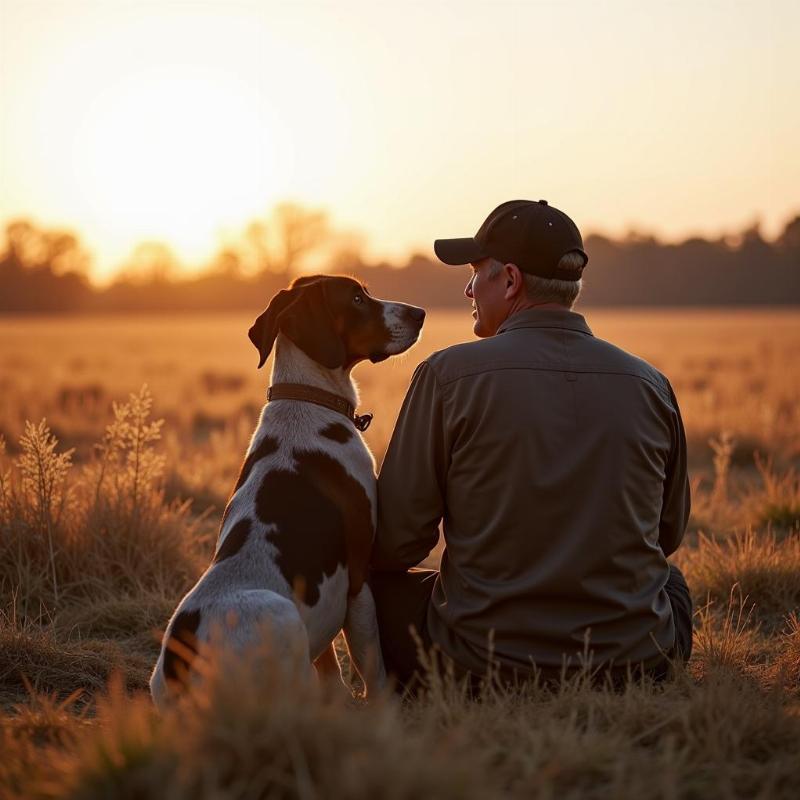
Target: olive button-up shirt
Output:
[(556, 465)]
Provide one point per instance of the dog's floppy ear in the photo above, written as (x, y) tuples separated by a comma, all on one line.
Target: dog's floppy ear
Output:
[(265, 328), (302, 314), (310, 325)]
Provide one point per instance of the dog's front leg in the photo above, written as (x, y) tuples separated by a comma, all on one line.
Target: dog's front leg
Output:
[(361, 635)]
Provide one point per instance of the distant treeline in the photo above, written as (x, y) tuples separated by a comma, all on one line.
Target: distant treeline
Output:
[(46, 271)]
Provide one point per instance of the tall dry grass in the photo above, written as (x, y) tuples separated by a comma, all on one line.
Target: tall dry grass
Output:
[(92, 557), (92, 533), (108, 514)]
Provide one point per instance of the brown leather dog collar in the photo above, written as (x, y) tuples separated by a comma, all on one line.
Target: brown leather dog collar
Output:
[(311, 394)]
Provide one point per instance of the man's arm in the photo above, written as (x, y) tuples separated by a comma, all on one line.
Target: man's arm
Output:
[(412, 478), (677, 496)]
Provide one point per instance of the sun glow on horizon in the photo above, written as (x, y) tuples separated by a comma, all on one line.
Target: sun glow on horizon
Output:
[(176, 156), (181, 122)]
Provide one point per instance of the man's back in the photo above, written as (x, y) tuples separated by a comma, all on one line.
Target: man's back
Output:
[(557, 462)]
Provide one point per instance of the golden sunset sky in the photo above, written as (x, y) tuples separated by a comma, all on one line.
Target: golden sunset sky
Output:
[(408, 121)]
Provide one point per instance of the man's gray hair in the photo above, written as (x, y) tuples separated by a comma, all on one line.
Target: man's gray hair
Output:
[(550, 290)]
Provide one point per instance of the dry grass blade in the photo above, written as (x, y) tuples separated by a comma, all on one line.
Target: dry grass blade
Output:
[(765, 566), (730, 641), (777, 503), (43, 474)]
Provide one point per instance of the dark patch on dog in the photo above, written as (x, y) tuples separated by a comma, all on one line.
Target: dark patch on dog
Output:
[(322, 518), (234, 541), (266, 447), (181, 646), (338, 432), (311, 325)]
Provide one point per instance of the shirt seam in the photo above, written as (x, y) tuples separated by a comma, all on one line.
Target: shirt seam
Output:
[(504, 365), (429, 366), (551, 326)]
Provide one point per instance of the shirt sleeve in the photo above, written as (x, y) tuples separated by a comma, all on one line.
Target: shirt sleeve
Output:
[(412, 478), (677, 494)]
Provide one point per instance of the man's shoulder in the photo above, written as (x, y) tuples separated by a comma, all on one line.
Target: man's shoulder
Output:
[(466, 357), (604, 356), (591, 354)]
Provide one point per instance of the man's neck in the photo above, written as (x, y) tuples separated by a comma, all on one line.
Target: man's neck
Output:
[(527, 305), (556, 306)]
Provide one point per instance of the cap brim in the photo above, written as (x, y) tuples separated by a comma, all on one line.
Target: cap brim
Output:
[(458, 251)]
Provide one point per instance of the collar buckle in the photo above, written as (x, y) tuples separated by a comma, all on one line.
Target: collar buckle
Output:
[(362, 421)]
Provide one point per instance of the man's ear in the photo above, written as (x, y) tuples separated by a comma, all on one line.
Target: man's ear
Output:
[(310, 325), (512, 275), (265, 328)]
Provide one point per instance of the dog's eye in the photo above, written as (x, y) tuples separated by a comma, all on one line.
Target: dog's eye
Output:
[(358, 299)]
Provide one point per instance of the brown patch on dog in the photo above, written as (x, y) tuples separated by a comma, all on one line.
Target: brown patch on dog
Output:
[(266, 447), (309, 323), (351, 499), (234, 540), (337, 432), (181, 646), (359, 322), (321, 519)]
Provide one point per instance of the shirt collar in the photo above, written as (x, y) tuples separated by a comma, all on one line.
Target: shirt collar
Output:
[(546, 318)]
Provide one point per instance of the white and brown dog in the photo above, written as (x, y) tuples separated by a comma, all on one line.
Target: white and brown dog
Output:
[(295, 540)]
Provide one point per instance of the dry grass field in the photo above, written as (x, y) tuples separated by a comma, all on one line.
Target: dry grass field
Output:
[(107, 516)]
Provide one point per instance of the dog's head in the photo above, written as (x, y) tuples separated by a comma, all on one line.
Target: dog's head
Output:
[(336, 322)]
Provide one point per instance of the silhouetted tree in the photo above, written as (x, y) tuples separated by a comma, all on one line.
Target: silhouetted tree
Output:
[(257, 251), (282, 243), (299, 231), (227, 263), (42, 269), (150, 262), (789, 240)]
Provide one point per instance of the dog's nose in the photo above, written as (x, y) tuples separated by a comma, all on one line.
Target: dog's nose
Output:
[(416, 314)]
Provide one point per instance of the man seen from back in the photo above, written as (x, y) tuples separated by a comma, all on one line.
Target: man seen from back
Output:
[(555, 463)]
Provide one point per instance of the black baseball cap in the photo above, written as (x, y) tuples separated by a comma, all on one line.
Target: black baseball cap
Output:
[(531, 234)]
